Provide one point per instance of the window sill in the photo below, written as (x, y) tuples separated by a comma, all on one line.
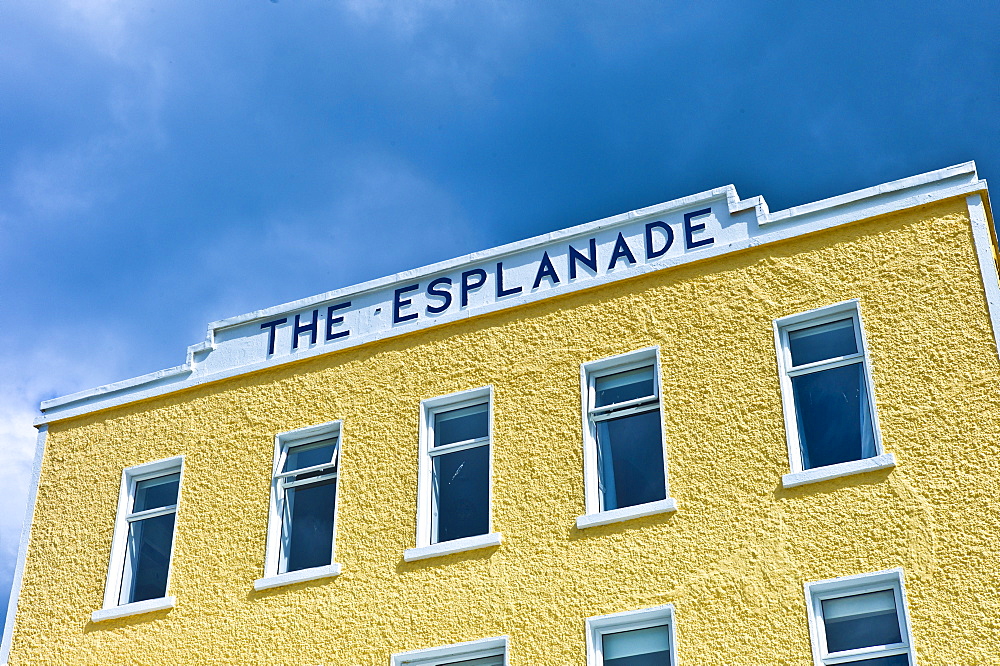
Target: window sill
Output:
[(626, 513), (454, 546), (300, 576), (134, 608), (884, 461)]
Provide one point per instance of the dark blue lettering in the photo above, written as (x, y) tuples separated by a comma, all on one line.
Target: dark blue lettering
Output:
[(332, 321), (667, 231), (545, 270), (273, 325), (310, 328), (501, 292), (399, 303), (468, 286), (621, 251), (432, 290), (689, 229), (577, 256)]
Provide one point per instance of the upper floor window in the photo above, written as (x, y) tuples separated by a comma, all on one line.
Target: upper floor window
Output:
[(453, 506), (860, 620), (826, 386), (633, 638), (301, 525), (143, 540), (624, 452)]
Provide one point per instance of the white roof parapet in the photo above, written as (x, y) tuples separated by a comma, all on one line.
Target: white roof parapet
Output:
[(692, 228)]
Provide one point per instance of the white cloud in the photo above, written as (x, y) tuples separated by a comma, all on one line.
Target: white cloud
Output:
[(122, 82), (109, 25), (29, 375), (17, 446)]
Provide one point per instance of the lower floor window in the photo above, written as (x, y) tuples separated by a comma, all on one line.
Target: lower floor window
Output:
[(485, 652), (624, 455), (826, 387), (633, 638), (143, 539), (150, 538), (860, 620), (301, 527), (454, 478)]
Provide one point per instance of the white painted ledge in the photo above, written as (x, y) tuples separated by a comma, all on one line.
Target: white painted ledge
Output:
[(626, 513), (454, 546), (884, 461), (300, 576), (135, 608)]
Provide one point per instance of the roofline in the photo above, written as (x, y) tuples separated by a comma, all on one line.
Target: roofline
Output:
[(833, 211)]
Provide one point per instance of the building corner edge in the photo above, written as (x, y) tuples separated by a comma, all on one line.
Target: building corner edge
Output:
[(22, 551), (984, 240)]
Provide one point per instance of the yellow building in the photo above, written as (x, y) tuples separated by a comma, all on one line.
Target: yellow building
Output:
[(698, 433)]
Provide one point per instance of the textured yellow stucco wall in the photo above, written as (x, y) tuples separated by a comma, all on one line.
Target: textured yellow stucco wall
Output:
[(732, 559)]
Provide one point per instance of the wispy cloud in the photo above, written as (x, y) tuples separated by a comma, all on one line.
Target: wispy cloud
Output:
[(17, 440), (30, 373), (381, 216)]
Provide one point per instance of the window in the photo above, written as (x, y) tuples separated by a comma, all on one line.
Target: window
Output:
[(830, 419), (860, 620), (453, 504), (143, 540), (624, 452), (485, 652), (300, 532), (634, 638)]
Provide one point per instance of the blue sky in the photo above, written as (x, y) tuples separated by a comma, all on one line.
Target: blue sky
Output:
[(163, 165)]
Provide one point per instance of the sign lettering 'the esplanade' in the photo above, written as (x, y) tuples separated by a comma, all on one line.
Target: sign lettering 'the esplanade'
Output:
[(509, 279)]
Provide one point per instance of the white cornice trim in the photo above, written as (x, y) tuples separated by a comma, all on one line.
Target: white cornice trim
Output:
[(767, 227)]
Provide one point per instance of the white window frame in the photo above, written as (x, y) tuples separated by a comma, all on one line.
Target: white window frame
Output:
[(425, 481), (591, 473), (112, 608), (782, 327), (644, 618), (282, 443), (817, 591), (438, 656)]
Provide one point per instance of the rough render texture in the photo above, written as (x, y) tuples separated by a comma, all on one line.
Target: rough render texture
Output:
[(732, 559)]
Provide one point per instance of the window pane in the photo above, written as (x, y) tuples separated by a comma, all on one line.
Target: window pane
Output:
[(861, 620), (156, 493), (895, 660), (309, 455), (834, 417), (817, 343), (622, 386), (147, 559), (630, 460), (638, 647), (307, 526), (460, 425), (461, 489), (483, 661)]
